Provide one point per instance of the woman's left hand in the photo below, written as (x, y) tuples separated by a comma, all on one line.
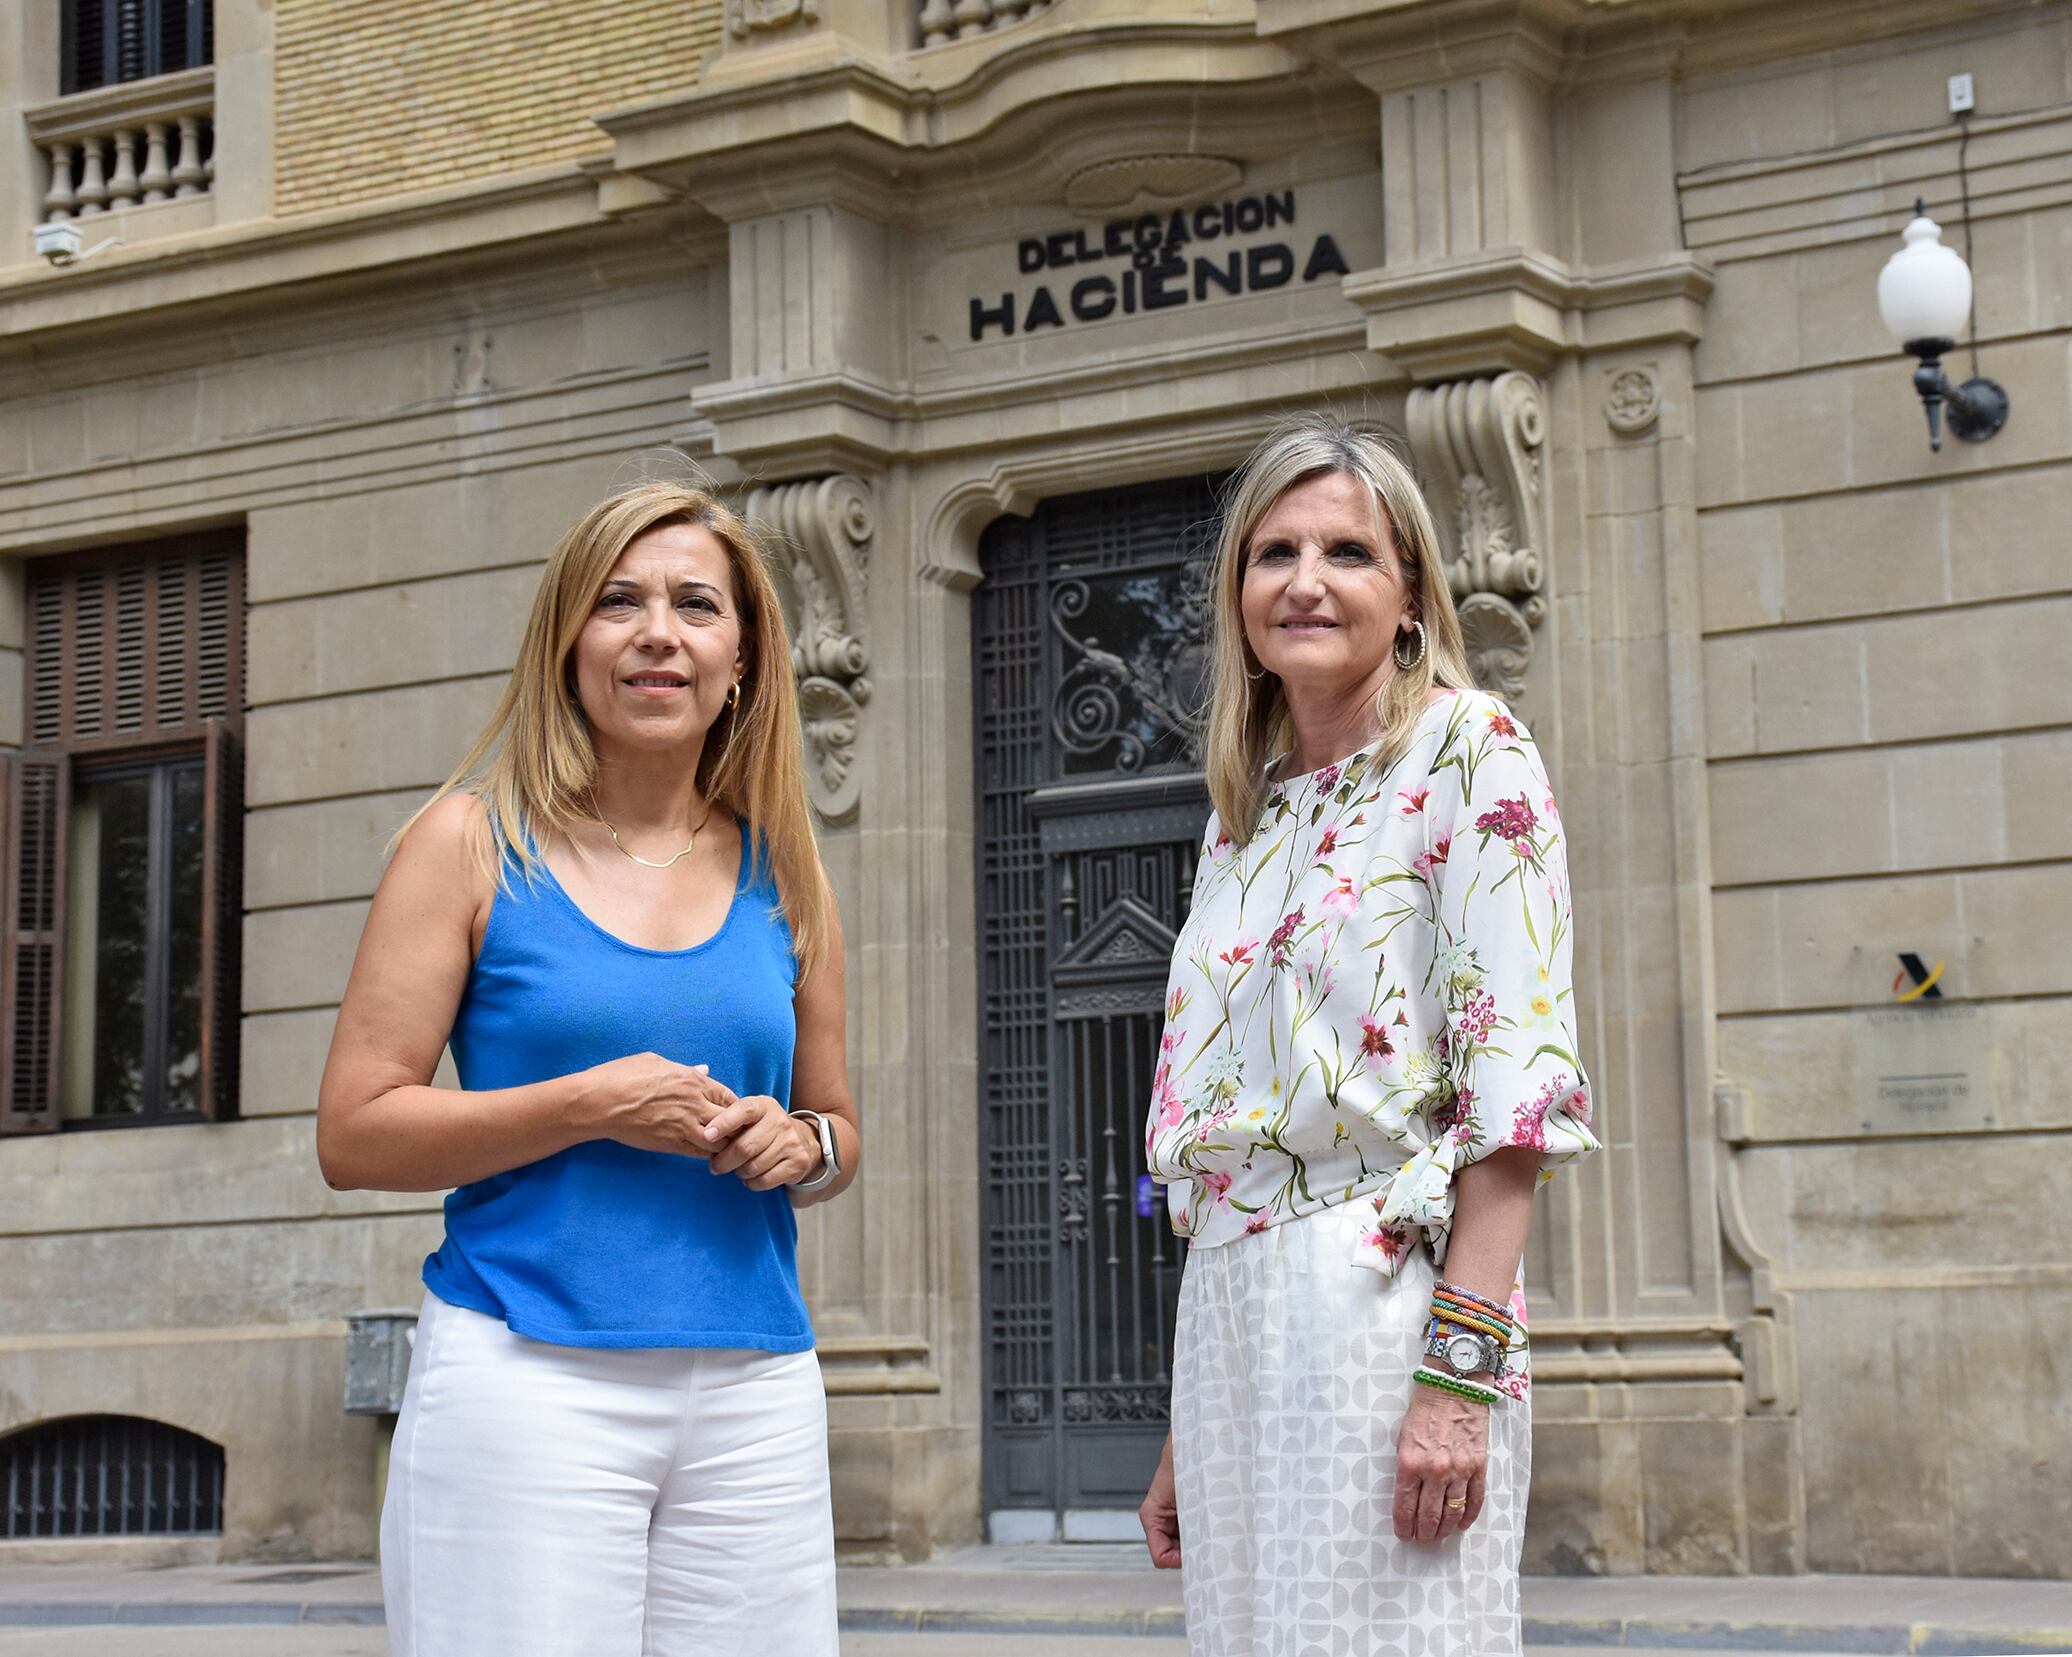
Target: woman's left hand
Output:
[(762, 1142), (1442, 1455)]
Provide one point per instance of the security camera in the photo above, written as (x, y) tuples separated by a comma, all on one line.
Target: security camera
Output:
[(59, 243)]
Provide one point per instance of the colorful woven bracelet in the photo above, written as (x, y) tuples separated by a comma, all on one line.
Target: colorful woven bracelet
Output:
[(1455, 1384), (1501, 1323), (1468, 1297), (1474, 1322), (1505, 1331), (1446, 1329)]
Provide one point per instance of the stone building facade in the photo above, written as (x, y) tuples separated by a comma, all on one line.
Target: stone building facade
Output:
[(965, 302)]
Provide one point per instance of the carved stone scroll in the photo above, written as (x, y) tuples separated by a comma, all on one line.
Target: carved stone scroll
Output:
[(823, 529), (745, 17), (1477, 443)]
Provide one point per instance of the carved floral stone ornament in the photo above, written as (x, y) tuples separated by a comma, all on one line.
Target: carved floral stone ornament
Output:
[(744, 17), (1634, 401), (824, 529), (1477, 443)]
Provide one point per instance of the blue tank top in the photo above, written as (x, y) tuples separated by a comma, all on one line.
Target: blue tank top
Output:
[(602, 1244)]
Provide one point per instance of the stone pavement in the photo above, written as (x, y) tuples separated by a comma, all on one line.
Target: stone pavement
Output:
[(1085, 1601)]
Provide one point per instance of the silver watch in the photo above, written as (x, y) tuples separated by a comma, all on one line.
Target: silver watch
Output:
[(830, 1157), (1468, 1354)]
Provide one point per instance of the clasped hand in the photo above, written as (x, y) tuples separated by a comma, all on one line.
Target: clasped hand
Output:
[(655, 1104), (1442, 1459)]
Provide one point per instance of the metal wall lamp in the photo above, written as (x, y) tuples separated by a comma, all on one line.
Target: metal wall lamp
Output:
[(1924, 294)]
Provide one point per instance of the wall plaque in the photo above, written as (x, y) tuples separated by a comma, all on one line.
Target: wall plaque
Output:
[(1925, 1069)]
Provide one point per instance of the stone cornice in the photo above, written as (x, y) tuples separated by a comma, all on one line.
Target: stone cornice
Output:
[(129, 103), (764, 146), (237, 266), (1516, 309), (844, 421), (1392, 44), (864, 1366)]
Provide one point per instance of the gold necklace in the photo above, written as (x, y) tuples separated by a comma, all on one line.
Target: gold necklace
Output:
[(649, 863)]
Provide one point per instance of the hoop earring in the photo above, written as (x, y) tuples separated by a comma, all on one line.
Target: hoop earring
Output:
[(734, 693), (1397, 651)]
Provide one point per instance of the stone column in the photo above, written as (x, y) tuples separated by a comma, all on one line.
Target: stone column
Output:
[(1546, 317), (881, 654), (243, 178), (28, 76)]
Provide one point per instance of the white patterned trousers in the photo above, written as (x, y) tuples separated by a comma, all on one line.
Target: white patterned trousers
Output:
[(1291, 1376)]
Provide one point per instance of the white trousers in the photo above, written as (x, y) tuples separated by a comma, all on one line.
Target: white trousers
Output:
[(559, 1501), (1291, 1376)]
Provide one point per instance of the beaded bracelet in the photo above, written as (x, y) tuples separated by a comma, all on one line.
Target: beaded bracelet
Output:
[(1445, 1329), (1447, 1293), (1502, 1333), (1455, 1384), (1470, 1297), (1500, 1324)]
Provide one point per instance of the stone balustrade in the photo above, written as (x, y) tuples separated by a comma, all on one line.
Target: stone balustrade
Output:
[(128, 145), (943, 20)]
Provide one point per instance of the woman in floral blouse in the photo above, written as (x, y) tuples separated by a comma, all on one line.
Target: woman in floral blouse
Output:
[(1369, 1062)]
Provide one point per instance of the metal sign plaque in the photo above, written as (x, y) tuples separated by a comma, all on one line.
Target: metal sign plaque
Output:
[(1925, 1068)]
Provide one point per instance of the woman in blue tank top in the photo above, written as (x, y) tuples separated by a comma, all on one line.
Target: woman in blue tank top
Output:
[(614, 1437)]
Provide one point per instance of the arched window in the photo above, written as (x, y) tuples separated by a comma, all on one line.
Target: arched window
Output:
[(110, 1475)]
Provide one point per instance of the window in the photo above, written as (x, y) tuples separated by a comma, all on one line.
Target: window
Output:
[(110, 1475), (123, 902), (106, 41)]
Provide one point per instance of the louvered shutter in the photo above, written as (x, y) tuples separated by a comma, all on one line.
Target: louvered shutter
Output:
[(128, 649), (32, 932), (222, 918), (140, 649)]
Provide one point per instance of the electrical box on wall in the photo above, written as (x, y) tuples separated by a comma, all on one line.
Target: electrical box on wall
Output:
[(1961, 100)]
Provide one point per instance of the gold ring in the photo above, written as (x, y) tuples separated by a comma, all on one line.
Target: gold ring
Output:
[(1463, 1502)]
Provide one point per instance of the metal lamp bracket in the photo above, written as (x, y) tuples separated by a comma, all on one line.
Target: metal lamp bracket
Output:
[(1978, 407)]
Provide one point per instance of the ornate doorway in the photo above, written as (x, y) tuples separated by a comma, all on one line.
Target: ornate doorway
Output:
[(1089, 646)]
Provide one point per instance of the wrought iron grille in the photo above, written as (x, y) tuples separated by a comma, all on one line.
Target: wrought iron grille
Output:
[(110, 1475), (1090, 651)]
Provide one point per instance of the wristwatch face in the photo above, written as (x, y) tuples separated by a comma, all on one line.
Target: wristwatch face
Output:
[(1464, 1352)]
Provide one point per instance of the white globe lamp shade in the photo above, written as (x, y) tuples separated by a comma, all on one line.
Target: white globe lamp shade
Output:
[(1924, 291)]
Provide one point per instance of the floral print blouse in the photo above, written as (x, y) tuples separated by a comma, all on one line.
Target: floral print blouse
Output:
[(1372, 993)]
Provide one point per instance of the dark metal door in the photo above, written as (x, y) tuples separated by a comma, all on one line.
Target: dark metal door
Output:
[(1090, 661)]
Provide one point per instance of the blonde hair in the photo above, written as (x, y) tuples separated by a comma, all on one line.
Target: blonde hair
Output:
[(534, 766), (1248, 712)]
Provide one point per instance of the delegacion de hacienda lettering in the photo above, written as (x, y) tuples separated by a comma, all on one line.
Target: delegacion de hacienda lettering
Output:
[(1162, 272)]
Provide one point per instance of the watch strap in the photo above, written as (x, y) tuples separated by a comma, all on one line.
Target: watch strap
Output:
[(1492, 1353), (830, 1156)]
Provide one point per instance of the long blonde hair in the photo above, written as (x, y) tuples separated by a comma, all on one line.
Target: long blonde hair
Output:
[(534, 766), (1248, 711)]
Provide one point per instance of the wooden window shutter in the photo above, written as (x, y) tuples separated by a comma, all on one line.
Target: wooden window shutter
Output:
[(222, 917), (132, 648), (32, 930), (133, 652)]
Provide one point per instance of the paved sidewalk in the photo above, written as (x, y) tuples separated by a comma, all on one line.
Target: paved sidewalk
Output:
[(1068, 1597)]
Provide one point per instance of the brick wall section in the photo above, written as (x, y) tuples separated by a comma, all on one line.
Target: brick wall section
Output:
[(383, 97)]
